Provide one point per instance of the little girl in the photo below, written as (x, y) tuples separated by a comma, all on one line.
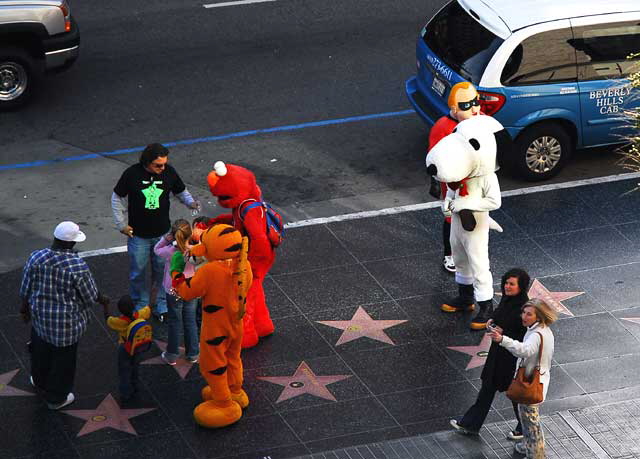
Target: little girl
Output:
[(182, 314)]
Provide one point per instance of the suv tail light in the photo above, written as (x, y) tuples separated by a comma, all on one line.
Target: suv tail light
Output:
[(67, 15), (491, 102)]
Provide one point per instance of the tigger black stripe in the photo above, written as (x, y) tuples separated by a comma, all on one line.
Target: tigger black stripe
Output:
[(218, 371), (188, 282), (216, 341), (233, 248), (211, 308), (226, 231)]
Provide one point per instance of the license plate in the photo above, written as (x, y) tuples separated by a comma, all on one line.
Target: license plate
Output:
[(438, 86)]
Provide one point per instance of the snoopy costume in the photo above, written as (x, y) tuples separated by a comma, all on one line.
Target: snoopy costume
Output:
[(466, 161)]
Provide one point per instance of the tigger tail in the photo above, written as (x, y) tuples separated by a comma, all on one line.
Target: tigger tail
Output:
[(243, 277)]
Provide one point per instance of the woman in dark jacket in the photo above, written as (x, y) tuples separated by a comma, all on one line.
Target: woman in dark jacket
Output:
[(500, 366)]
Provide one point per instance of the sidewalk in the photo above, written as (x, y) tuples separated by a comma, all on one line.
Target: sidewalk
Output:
[(602, 432), (362, 355)]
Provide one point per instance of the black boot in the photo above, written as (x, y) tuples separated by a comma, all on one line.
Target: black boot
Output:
[(480, 321), (463, 302)]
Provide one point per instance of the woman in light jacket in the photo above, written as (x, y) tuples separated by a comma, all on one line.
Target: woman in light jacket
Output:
[(537, 316)]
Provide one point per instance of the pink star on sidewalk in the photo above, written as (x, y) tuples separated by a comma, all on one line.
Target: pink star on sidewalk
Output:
[(635, 320), (304, 381), (553, 299), (8, 391), (182, 365), (107, 414), (478, 353), (361, 324)]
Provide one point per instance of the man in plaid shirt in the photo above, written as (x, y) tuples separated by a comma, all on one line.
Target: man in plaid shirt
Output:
[(57, 292)]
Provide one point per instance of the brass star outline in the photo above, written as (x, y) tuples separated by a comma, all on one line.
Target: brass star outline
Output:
[(478, 353), (9, 391), (553, 299), (304, 381), (362, 325), (107, 414)]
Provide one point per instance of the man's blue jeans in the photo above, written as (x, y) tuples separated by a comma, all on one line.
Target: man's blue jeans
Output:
[(182, 318), (140, 252)]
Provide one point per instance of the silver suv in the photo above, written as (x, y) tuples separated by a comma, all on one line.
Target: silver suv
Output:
[(36, 37)]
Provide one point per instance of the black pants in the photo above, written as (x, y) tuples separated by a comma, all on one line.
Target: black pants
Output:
[(475, 416), (446, 235), (53, 368), (128, 372)]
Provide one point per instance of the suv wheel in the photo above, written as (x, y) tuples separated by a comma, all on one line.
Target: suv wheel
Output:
[(17, 77), (541, 151)]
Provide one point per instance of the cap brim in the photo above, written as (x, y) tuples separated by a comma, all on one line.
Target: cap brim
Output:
[(80, 237)]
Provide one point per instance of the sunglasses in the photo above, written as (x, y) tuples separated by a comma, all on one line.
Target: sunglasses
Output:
[(464, 106)]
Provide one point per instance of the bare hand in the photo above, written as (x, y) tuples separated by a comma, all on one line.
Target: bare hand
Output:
[(491, 325), (127, 231), (496, 336)]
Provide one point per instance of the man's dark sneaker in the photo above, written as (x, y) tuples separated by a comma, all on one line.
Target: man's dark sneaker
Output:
[(463, 302), (460, 429), (480, 321), (69, 400), (514, 435)]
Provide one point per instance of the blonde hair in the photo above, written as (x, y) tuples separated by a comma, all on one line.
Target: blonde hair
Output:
[(544, 313), (451, 101), (181, 230)]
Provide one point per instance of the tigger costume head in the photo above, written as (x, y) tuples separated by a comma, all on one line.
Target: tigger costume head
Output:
[(223, 242), (232, 184)]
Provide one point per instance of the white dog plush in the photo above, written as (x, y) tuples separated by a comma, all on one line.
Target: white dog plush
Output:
[(466, 161)]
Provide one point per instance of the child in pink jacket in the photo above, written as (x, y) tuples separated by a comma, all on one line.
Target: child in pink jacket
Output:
[(182, 314)]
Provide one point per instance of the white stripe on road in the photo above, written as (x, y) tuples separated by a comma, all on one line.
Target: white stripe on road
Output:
[(239, 2), (414, 207)]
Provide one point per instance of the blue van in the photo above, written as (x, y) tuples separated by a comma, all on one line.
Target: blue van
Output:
[(554, 73)]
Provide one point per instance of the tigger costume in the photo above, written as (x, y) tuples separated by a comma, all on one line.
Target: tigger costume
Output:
[(235, 186), (222, 283)]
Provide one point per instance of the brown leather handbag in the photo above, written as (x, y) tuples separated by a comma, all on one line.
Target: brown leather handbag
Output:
[(527, 391)]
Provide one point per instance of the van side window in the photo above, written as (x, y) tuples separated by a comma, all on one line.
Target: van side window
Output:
[(602, 50), (543, 58)]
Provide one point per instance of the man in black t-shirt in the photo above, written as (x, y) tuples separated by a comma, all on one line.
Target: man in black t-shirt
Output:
[(143, 191)]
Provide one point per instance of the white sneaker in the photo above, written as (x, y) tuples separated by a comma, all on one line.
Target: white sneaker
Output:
[(192, 359), (448, 264), (70, 399), (460, 429), (166, 360), (520, 448), (514, 435)]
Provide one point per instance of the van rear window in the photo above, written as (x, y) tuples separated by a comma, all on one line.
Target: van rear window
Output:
[(461, 42)]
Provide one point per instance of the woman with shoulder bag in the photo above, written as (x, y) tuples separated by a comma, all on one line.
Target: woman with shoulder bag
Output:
[(500, 365), (534, 355)]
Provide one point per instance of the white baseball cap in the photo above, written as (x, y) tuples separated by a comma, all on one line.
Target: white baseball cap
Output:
[(69, 231)]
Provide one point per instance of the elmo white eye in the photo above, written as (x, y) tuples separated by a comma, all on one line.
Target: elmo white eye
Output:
[(220, 168)]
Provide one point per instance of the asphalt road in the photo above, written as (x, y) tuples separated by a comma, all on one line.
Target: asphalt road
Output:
[(171, 71)]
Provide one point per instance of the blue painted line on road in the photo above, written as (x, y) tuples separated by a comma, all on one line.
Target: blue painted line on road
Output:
[(290, 127)]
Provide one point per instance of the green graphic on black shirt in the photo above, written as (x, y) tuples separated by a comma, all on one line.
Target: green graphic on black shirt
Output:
[(152, 196)]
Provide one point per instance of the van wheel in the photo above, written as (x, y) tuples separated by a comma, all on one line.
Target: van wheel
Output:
[(18, 72), (541, 151)]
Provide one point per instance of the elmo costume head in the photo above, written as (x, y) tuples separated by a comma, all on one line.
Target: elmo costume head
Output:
[(232, 184)]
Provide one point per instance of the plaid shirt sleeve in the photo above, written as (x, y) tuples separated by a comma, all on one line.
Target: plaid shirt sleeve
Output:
[(85, 285), (25, 287)]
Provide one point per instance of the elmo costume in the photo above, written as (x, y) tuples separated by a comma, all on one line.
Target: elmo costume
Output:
[(236, 187)]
